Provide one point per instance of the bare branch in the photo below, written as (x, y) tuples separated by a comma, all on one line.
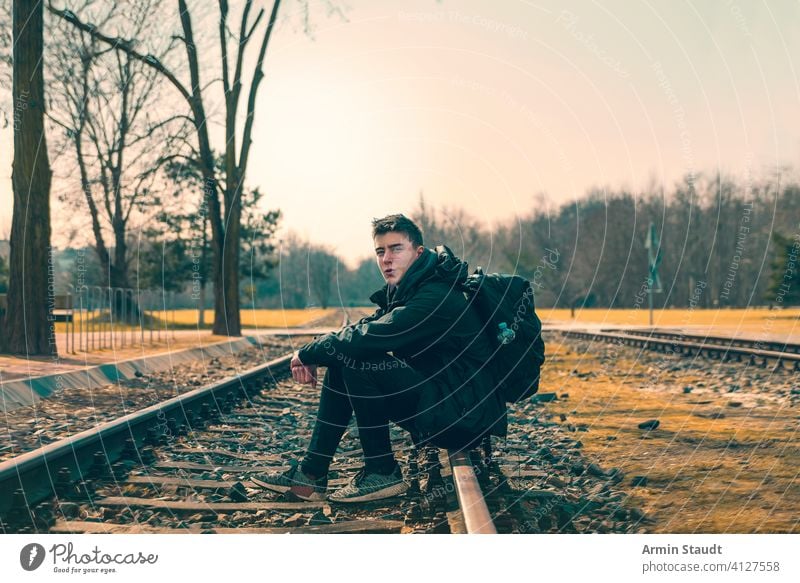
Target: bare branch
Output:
[(243, 40), (258, 74), (223, 42), (121, 44), (255, 24)]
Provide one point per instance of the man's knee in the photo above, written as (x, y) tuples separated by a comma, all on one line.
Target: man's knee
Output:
[(371, 378), (333, 381), (356, 380), (368, 369), (377, 367)]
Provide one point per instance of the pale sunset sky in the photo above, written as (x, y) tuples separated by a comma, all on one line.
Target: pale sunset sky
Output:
[(485, 104)]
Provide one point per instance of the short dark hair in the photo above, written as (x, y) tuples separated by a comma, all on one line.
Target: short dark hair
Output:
[(398, 223)]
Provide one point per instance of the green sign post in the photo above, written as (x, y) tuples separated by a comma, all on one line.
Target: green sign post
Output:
[(653, 247)]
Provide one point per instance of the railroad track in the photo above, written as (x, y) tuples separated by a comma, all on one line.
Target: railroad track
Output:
[(182, 465), (772, 345), (726, 349)]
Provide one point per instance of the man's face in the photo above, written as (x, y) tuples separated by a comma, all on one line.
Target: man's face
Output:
[(395, 254)]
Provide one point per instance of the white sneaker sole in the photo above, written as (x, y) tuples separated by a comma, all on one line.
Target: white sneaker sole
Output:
[(388, 492)]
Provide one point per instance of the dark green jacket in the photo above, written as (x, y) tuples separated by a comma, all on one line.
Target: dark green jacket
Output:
[(425, 321)]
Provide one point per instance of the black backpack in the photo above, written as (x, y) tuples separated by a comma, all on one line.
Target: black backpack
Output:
[(505, 305)]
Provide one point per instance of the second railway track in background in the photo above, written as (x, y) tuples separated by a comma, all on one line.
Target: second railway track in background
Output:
[(727, 349)]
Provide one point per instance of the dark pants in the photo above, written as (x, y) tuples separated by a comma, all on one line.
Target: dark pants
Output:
[(377, 391)]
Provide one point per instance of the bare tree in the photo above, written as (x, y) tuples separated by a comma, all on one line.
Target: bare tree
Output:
[(27, 323), (103, 99), (456, 228), (224, 216), (292, 272), (308, 273), (323, 268)]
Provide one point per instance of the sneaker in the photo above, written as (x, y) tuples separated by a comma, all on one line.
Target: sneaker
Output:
[(367, 486), (295, 481)]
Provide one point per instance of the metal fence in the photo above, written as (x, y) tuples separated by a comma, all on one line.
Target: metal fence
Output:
[(111, 317)]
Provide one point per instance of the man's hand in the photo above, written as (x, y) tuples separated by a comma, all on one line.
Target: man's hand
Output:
[(303, 373)]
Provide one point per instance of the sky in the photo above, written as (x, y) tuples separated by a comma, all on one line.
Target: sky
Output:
[(485, 105)]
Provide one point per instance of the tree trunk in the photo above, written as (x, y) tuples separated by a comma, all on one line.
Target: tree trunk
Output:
[(227, 303), (125, 305), (201, 320), (228, 273), (201, 313), (29, 324)]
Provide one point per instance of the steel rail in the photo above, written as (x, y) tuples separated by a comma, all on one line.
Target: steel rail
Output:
[(728, 340), (477, 518), (31, 477), (720, 351)]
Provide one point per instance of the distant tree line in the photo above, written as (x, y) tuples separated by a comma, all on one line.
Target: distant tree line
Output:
[(724, 243)]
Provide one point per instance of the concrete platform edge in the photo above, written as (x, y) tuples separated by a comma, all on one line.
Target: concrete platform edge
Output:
[(25, 392)]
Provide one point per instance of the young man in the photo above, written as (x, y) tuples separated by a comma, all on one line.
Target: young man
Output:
[(419, 360)]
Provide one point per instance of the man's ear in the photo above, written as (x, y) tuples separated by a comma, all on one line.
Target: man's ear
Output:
[(420, 249)]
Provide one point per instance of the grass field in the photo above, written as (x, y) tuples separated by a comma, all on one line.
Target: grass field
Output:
[(720, 461), (187, 319), (752, 321), (260, 318)]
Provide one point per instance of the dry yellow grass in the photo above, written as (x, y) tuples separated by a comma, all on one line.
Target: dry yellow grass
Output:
[(751, 321), (711, 467), (250, 318), (261, 318)]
